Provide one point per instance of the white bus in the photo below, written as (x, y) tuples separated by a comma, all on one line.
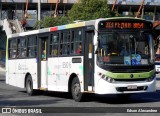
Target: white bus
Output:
[(102, 56)]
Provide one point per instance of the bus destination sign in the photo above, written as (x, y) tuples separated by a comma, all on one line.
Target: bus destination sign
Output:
[(124, 25)]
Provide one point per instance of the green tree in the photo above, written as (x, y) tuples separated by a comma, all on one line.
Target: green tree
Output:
[(37, 24), (50, 21), (83, 10), (90, 9)]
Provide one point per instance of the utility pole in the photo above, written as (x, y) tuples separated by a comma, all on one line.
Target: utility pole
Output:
[(140, 8), (39, 10), (55, 11), (115, 1), (26, 11)]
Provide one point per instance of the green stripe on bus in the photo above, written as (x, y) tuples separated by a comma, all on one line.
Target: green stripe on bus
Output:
[(81, 68), (7, 51), (49, 72), (128, 75)]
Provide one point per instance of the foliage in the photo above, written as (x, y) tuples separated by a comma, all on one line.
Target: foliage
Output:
[(90, 9), (37, 24), (83, 10), (49, 21)]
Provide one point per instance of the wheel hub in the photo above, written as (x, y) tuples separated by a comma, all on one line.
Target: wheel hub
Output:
[(76, 89)]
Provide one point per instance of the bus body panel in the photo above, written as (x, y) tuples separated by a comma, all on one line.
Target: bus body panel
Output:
[(78, 69), (31, 68), (12, 72), (44, 75), (63, 73), (18, 69), (59, 71), (53, 68), (104, 87)]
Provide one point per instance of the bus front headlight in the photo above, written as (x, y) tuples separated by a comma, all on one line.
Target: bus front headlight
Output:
[(150, 78), (107, 78)]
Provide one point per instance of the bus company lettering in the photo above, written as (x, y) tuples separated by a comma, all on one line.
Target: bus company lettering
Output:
[(22, 67)]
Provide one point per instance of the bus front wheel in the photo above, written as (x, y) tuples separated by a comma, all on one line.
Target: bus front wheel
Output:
[(76, 90), (29, 85)]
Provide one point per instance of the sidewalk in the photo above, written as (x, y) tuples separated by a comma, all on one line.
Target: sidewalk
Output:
[(2, 73), (2, 69), (2, 66)]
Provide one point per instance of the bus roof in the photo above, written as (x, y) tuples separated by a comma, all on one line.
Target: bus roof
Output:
[(69, 26)]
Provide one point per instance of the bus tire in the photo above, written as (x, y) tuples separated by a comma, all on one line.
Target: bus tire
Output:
[(29, 86), (76, 90)]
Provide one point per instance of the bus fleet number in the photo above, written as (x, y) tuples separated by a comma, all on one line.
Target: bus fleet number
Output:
[(66, 64)]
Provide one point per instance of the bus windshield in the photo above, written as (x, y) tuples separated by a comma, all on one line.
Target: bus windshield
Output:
[(119, 48)]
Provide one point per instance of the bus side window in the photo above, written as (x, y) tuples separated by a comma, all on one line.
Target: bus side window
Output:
[(12, 48), (21, 53), (32, 47), (54, 51), (65, 43), (13, 53), (44, 54), (77, 45), (54, 43), (79, 49)]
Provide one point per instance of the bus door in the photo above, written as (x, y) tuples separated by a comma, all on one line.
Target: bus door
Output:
[(88, 61), (42, 62)]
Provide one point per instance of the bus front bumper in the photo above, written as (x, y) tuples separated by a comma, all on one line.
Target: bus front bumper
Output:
[(104, 87)]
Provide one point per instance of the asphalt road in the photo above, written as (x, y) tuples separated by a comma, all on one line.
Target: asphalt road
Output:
[(13, 96)]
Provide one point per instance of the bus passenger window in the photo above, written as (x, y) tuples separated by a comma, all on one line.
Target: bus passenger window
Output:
[(23, 54), (79, 49), (90, 48), (54, 51), (13, 53), (44, 55), (12, 48), (32, 47), (65, 49)]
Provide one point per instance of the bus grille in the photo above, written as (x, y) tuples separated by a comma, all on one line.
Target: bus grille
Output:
[(140, 88)]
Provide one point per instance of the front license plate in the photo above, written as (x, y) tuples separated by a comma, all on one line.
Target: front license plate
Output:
[(132, 87)]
